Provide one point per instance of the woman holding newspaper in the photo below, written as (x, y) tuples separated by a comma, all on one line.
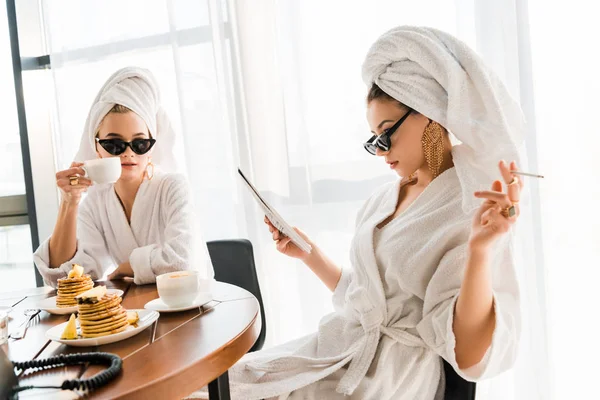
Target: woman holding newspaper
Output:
[(432, 272)]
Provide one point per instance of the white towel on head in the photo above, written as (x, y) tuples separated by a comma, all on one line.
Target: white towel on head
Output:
[(136, 89), (440, 77)]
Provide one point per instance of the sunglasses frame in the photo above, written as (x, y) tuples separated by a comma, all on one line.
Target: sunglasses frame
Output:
[(127, 144), (383, 141)]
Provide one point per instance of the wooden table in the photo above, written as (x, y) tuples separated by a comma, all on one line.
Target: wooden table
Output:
[(182, 352)]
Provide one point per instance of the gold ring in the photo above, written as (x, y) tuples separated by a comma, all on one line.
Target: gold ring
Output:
[(73, 180), (514, 181), (509, 211)]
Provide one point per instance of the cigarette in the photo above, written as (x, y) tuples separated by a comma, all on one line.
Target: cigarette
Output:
[(526, 174)]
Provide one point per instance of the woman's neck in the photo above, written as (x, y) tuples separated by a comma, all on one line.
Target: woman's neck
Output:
[(127, 190), (424, 175)]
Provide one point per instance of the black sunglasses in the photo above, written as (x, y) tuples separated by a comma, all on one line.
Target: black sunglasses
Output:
[(118, 146), (383, 141)]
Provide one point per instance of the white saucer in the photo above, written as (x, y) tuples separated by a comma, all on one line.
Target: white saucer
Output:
[(160, 306), (49, 304), (147, 318)]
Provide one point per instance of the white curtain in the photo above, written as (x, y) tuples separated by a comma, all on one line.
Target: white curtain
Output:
[(566, 62), (274, 87)]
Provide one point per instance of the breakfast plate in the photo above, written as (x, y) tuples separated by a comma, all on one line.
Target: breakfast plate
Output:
[(49, 304), (146, 319)]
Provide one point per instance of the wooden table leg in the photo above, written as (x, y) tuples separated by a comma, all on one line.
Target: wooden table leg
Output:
[(219, 388)]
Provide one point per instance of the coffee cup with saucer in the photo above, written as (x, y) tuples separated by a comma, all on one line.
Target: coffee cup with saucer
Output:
[(180, 291)]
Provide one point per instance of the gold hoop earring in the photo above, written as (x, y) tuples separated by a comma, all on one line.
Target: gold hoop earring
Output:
[(433, 147), (149, 170)]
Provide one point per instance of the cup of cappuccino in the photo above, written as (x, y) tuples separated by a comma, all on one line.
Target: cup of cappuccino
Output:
[(178, 289)]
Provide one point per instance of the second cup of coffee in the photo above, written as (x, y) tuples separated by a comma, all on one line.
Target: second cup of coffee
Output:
[(178, 289)]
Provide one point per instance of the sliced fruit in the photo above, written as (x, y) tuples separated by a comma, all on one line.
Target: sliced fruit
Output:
[(91, 296), (70, 331), (76, 271)]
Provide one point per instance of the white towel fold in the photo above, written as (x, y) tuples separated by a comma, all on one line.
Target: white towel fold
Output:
[(137, 89)]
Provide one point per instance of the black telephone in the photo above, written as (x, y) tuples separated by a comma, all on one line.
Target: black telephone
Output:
[(9, 384), (8, 379)]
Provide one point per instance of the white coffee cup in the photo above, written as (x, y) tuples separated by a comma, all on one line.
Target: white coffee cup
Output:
[(178, 289), (103, 170)]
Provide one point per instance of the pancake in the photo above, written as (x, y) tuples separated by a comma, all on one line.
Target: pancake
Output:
[(99, 323), (68, 288), (101, 316), (109, 326), (107, 302), (73, 280), (94, 335)]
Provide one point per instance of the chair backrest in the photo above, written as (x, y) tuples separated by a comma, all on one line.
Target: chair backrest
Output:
[(457, 388), (233, 262)]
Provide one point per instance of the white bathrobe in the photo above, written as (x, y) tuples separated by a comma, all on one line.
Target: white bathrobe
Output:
[(393, 310), (161, 237)]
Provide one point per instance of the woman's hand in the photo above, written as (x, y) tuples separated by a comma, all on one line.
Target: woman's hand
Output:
[(325, 269), (494, 219), (285, 245), (123, 271), (72, 183)]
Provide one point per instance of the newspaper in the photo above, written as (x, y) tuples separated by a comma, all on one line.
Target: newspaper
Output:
[(276, 219)]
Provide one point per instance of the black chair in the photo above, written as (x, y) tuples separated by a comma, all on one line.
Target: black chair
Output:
[(233, 262), (457, 388)]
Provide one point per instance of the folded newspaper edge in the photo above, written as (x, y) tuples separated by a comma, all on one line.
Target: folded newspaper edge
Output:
[(275, 218)]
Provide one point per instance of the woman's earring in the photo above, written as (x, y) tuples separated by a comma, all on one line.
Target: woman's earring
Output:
[(433, 147), (149, 170)]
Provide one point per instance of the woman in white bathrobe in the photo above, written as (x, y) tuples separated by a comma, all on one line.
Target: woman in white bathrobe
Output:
[(143, 223), (432, 274)]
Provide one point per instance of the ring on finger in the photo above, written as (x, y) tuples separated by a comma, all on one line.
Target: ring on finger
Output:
[(509, 212), (73, 180), (514, 181)]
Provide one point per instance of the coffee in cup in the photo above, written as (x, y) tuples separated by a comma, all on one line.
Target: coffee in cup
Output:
[(103, 170), (178, 289)]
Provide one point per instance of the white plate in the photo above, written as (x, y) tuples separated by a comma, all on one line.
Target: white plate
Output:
[(160, 306), (49, 304), (147, 317)]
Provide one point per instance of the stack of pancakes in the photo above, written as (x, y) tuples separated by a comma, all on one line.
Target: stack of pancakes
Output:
[(104, 317), (68, 288)]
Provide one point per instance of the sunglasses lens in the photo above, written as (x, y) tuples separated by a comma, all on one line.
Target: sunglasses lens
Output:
[(383, 143), (141, 146), (113, 146), (370, 148)]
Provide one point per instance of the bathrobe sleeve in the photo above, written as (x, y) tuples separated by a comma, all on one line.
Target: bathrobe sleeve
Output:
[(181, 240), (339, 294), (440, 300), (91, 253)]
